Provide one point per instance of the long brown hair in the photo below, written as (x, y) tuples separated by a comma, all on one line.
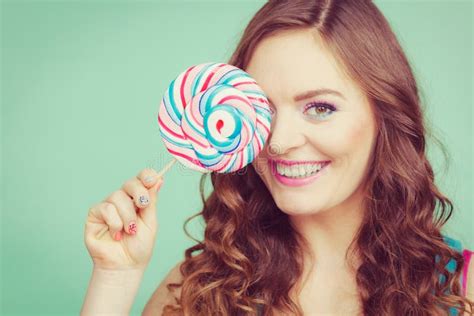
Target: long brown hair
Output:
[(252, 256)]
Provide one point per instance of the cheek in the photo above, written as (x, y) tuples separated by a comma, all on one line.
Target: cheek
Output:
[(356, 135), (348, 143), (345, 139), (355, 143)]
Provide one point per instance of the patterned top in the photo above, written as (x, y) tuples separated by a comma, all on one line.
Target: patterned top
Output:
[(451, 267)]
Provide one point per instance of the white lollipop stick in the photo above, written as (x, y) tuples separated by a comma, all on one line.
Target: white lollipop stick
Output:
[(160, 174), (166, 168)]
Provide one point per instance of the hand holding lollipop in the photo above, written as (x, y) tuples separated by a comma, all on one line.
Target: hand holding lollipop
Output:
[(213, 117)]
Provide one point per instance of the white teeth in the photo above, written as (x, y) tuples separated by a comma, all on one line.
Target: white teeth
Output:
[(301, 170), (298, 171)]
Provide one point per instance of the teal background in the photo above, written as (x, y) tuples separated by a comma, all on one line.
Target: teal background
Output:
[(81, 84)]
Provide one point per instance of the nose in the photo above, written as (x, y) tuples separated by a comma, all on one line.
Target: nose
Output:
[(286, 134)]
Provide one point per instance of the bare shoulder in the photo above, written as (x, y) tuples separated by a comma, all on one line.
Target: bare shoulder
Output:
[(162, 296)]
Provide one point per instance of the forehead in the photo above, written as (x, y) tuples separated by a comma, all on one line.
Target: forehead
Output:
[(293, 61)]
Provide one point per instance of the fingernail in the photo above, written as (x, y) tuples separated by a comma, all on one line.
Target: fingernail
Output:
[(118, 235), (143, 200), (149, 179), (132, 228)]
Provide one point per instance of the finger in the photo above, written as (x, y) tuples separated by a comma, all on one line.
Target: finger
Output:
[(148, 177), (148, 214), (139, 193), (125, 209), (100, 214)]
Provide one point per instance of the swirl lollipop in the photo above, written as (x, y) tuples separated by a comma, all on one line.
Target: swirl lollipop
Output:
[(214, 117)]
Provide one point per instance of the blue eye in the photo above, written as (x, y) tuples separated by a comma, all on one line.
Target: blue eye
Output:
[(319, 109)]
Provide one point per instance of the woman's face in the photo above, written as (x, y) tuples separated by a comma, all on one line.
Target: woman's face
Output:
[(321, 119)]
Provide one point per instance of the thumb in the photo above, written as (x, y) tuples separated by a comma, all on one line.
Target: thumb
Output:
[(148, 214)]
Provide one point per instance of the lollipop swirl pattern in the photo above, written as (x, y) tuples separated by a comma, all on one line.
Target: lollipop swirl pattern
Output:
[(214, 117)]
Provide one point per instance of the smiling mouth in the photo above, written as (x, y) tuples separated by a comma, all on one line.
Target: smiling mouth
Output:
[(292, 170), (297, 174)]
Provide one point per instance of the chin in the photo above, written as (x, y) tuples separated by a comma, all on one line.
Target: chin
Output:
[(292, 207)]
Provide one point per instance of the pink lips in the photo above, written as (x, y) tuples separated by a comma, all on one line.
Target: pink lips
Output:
[(293, 182)]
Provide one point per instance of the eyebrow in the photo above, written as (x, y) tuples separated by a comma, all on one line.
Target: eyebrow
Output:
[(314, 93)]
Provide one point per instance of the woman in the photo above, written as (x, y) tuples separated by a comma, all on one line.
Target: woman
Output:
[(336, 216)]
